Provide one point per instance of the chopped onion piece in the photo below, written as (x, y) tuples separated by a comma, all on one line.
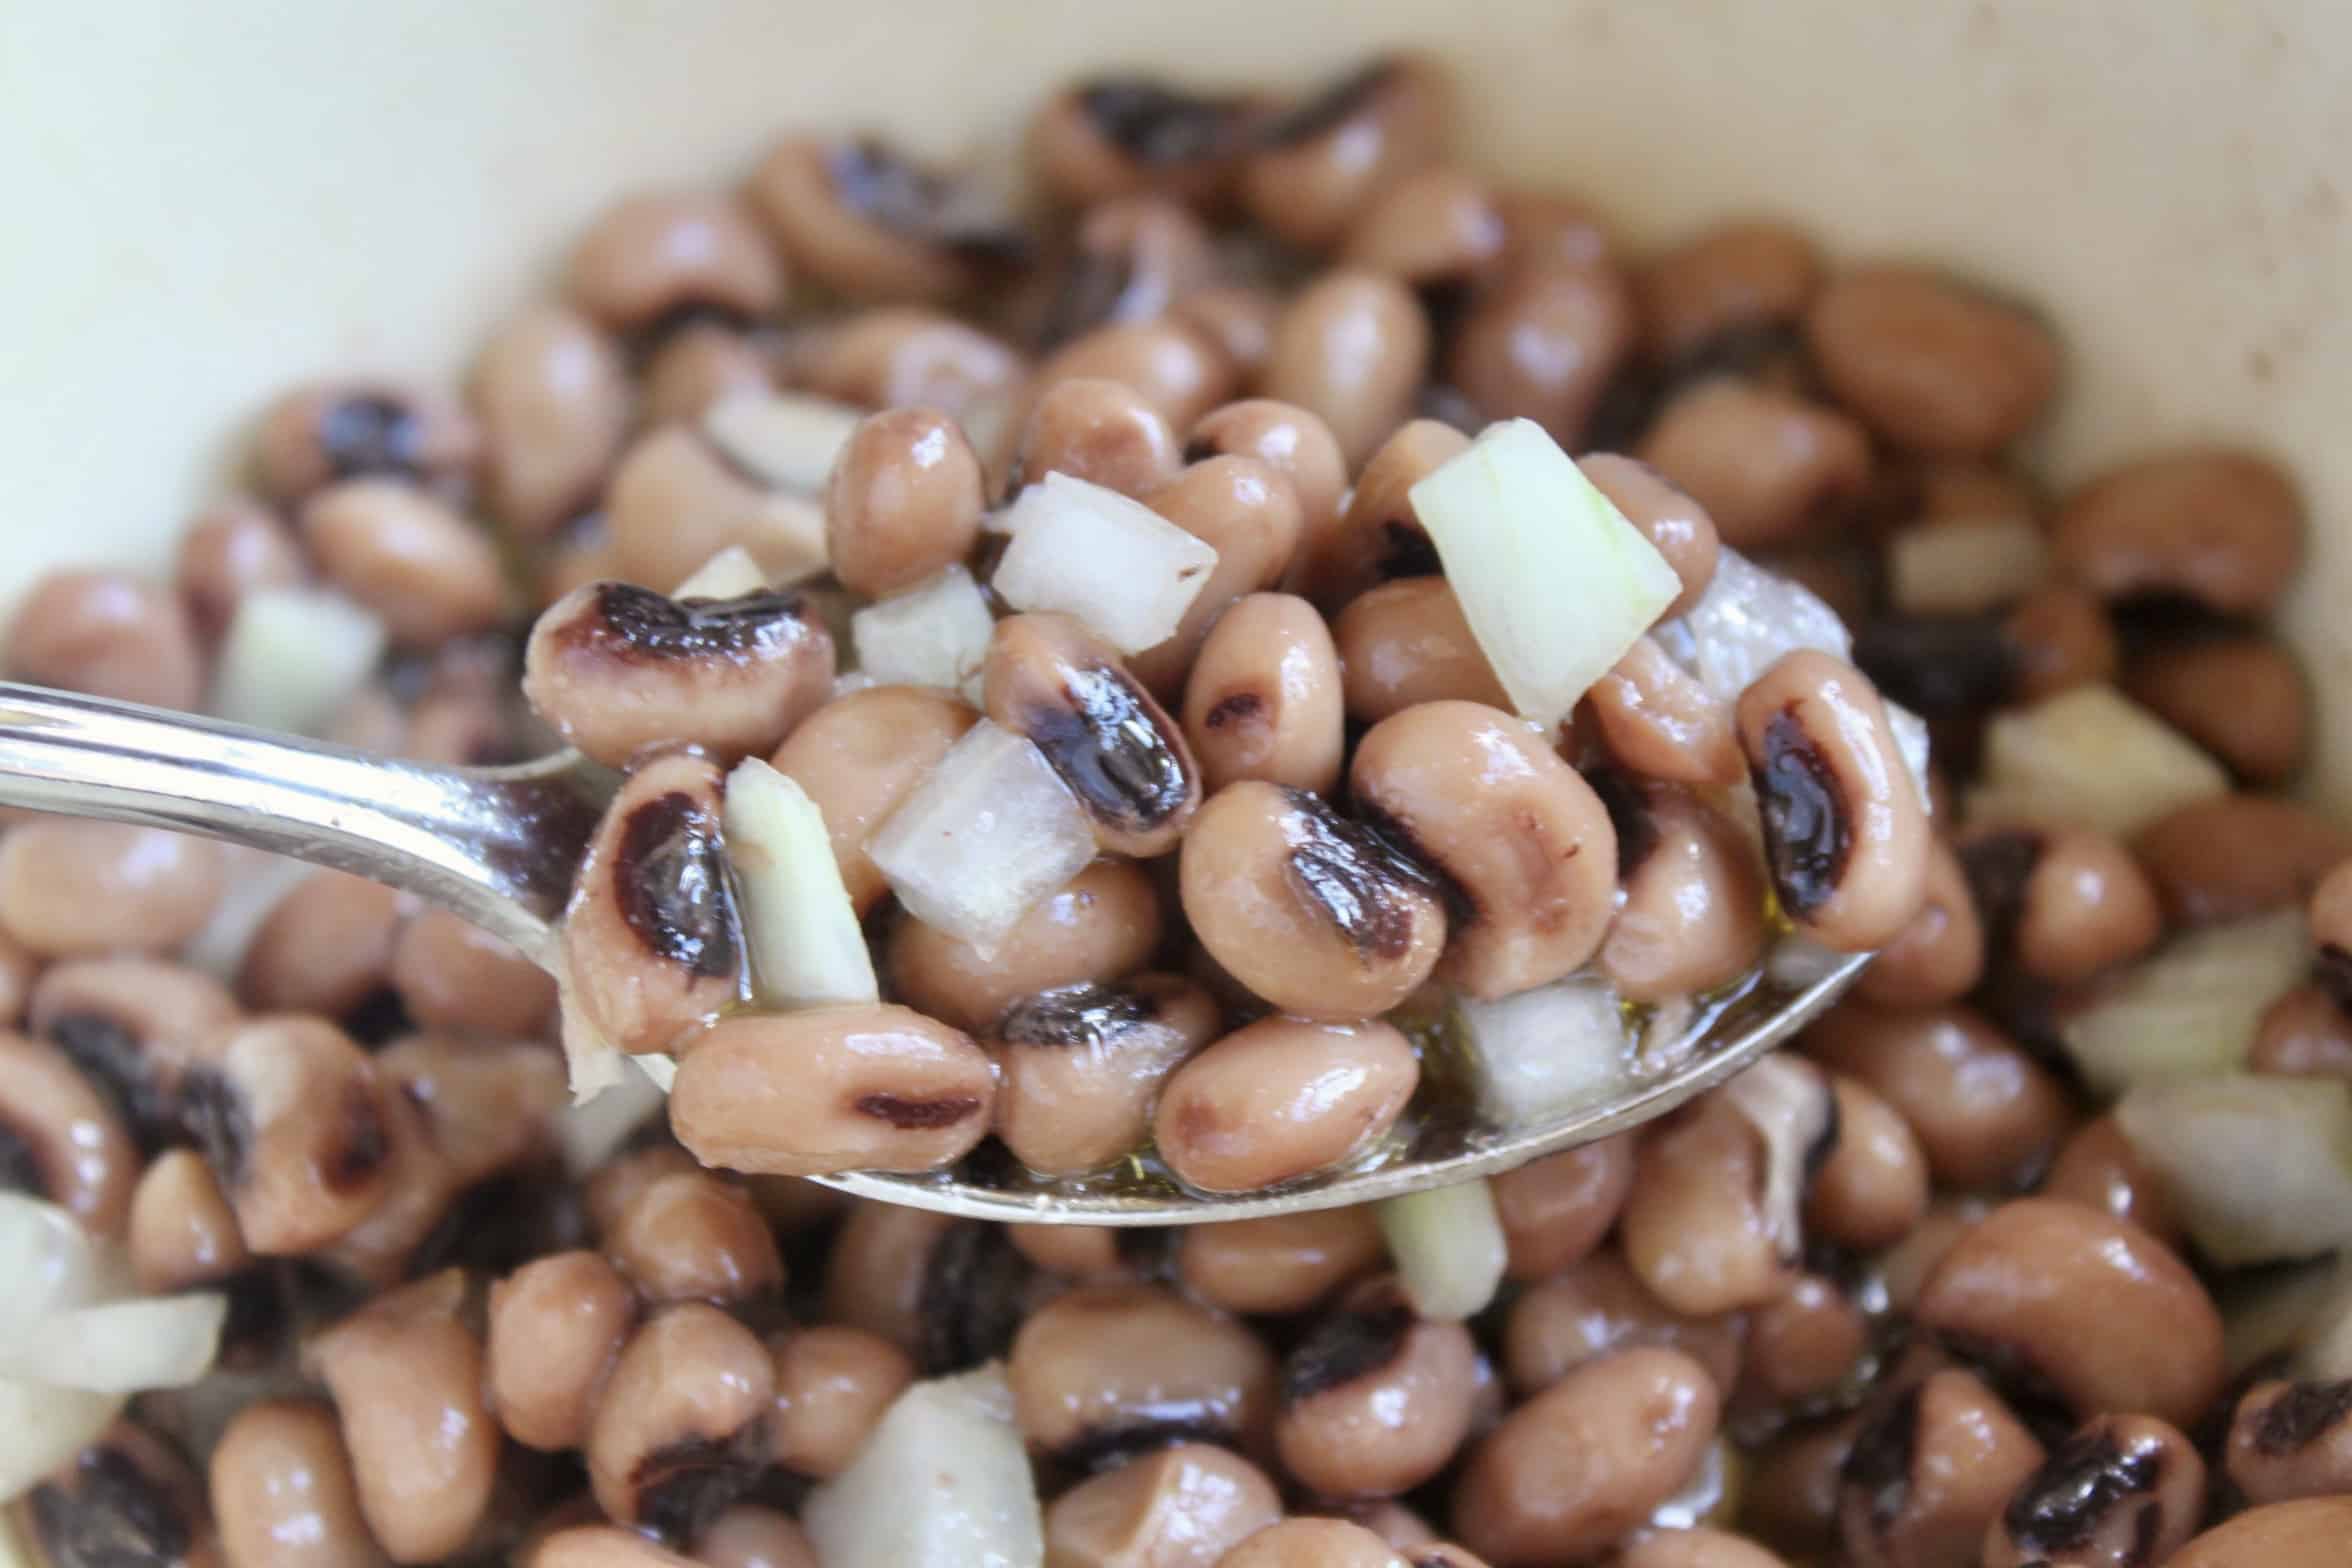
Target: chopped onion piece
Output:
[(932, 635), (806, 947), (1746, 621), (730, 574), (1111, 561), (1787, 1101), (254, 885), (2089, 757), (121, 1347), (589, 1131), (293, 657), (788, 439), (2190, 1010), (944, 1482), (42, 1426), (1546, 1051), (1449, 1248), (48, 1262), (2259, 1167), (1966, 565), (592, 1062), (1555, 583), (988, 833)]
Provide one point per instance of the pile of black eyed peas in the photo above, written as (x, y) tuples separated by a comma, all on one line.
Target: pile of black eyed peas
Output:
[(1988, 1314)]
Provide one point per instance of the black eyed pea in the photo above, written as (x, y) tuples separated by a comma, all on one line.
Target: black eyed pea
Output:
[(1294, 443), (604, 1546), (182, 1232), (1844, 829), (2244, 699), (1692, 917), (1177, 371), (949, 1293), (749, 1535), (618, 670), (2098, 1168), (1380, 537), (680, 1430), (454, 976), (1309, 910), (1932, 366), (1264, 699), (833, 1384), (1315, 168), (901, 357), (60, 1138), (1513, 832), (1545, 343), (673, 502), (132, 1026), (2118, 1492), (1555, 1210), (858, 756), (2223, 528), (109, 634), (1182, 1507), (324, 431), (1738, 274), (1132, 259), (2291, 1439), (1116, 135), (553, 397), (1080, 1067), (1597, 1305), (555, 1325), (1247, 513), (1804, 1344), (282, 1489), (2307, 1533), (1280, 1098), (1101, 431), (428, 572), (1280, 1264), (1436, 227), (1940, 955), (903, 502), (1238, 318), (662, 255), (1103, 926), (1930, 1473), (1087, 1252), (486, 1104), (70, 887), (2227, 857), (1408, 642), (1375, 1400), (1354, 347), (1313, 1543), (1699, 1547), (1658, 721), (1696, 1229), (871, 224), (832, 1089), (693, 1237), (131, 1492), (1771, 468), (231, 548), (651, 933), (1102, 1372), (2074, 901), (1052, 680), (326, 947), (704, 363), (1872, 1188)]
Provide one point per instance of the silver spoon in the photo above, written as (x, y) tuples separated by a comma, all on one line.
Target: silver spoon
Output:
[(497, 846)]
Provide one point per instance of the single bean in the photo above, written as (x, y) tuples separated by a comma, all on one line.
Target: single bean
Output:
[(2304, 1034), (127, 1497), (619, 670), (1931, 365), (2289, 1440), (1375, 1400), (182, 1232), (324, 431), (1930, 1473), (283, 1492), (2097, 1307), (615, 1184), (1264, 699), (291, 1117), (1806, 1343), (406, 1377), (555, 1325), (1352, 347), (1587, 1459), (1512, 831), (132, 1026), (1405, 643), (1985, 1113), (109, 634), (1315, 168), (1380, 536), (325, 947), (1872, 1188), (1102, 927), (693, 1237), (903, 502), (1080, 1067), (2073, 902), (1673, 521), (702, 364), (1771, 468), (2099, 1169), (899, 357), (1554, 1211), (1238, 318), (1105, 1371), (1598, 1305), (1247, 513), (1184, 1506), (832, 1386), (1544, 344), (869, 223), (454, 976), (1177, 371), (428, 572), (70, 887), (1940, 956), (486, 1104), (2223, 528), (1745, 273), (951, 1293), (681, 1429), (552, 396), (1696, 1229), (2120, 1491), (664, 254), (1115, 135), (750, 1536), (234, 547), (1086, 1252), (419, 1185), (831, 1089), (2244, 699), (1790, 1499), (1692, 915), (651, 934), (1296, 444), (60, 1139), (2232, 856), (1281, 1264), (1280, 1098), (2058, 638), (1312, 1543), (1438, 225), (674, 502), (858, 757), (1844, 829), (2306, 1533), (1101, 431)]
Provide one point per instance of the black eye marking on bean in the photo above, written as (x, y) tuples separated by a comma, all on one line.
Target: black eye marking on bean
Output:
[(1344, 1347), (1398, 841), (109, 1056), (907, 1114), (1156, 124), (1406, 550), (1329, 109), (20, 1166), (975, 1291), (2300, 1415), (2331, 971), (1101, 736), (111, 1516), (1880, 1464), (1094, 291), (362, 1144), (2077, 1489), (1938, 665), (670, 882), (931, 209), (368, 433), (1806, 835), (377, 1019), (640, 626), (1363, 881), (1242, 707), (219, 1121), (258, 1316), (1088, 1016), (683, 1486)]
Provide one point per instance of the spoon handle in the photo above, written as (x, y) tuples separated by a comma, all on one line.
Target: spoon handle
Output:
[(495, 845)]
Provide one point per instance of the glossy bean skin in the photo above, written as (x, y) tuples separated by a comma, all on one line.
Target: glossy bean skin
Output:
[(866, 221), (106, 633), (2244, 699), (833, 1384), (2238, 855), (680, 1429), (1280, 1098), (2119, 1491), (555, 1325), (903, 501), (1083, 1252), (694, 1237), (1803, 1344), (1984, 1112), (1280, 1264), (1586, 1460), (1543, 344), (2099, 1169), (282, 1490), (2060, 637), (324, 948), (484, 1105), (664, 252), (1676, 525), (702, 364), (429, 573), (1771, 468), (59, 1138), (651, 935), (291, 1117), (1351, 347), (1374, 1400), (600, 1546), (2290, 1440), (750, 1536), (870, 1087), (1051, 679), (1408, 642), (1932, 366), (1556, 1210), (1929, 1473), (1872, 1187), (1436, 225), (406, 1377), (1694, 1228), (1511, 829), (1099, 430), (181, 1231), (1105, 1370), (552, 395), (128, 1492), (1692, 913), (1114, 135), (1940, 956), (1380, 536), (70, 887), (619, 670), (1318, 166), (673, 502), (1596, 1306), (1177, 371), (1312, 1543), (2223, 528), (1844, 829), (1081, 1067), (1264, 697), (1791, 1500), (1305, 908), (1184, 1506), (1737, 274), (455, 976), (2301, 1534), (1695, 1548), (1292, 441), (1102, 927), (858, 756), (323, 431), (1247, 513), (905, 357), (2098, 1307), (2075, 901), (1659, 722)]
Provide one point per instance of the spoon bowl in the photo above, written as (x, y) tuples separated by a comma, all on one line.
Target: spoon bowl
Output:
[(498, 847)]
